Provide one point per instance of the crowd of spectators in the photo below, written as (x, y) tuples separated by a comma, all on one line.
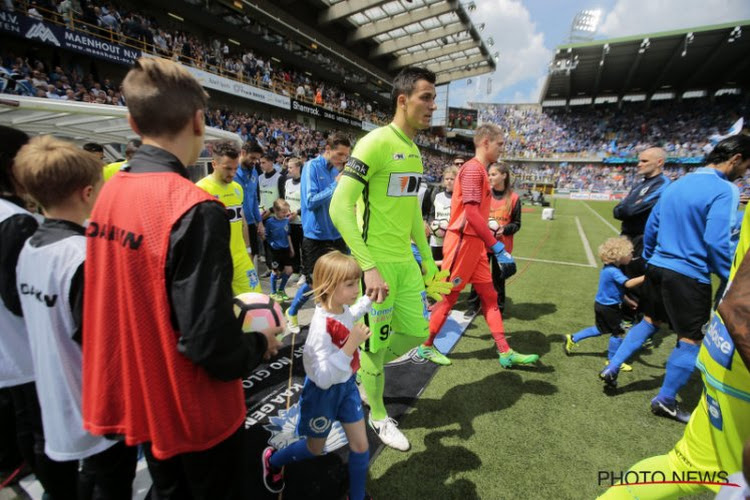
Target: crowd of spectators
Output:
[(37, 79), (531, 132), (288, 138), (593, 177), (117, 23), (20, 76), (681, 128)]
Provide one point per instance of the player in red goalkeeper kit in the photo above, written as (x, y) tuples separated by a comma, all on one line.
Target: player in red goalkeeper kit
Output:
[(465, 247)]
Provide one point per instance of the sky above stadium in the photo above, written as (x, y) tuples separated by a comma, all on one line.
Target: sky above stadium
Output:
[(526, 33)]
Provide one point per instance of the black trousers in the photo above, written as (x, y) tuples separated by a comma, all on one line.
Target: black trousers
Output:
[(10, 455), (295, 233), (108, 475), (59, 479), (312, 250), (214, 473), (497, 282), (252, 232)]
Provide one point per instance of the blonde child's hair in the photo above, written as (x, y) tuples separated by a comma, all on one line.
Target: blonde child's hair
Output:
[(330, 270), (51, 170), (614, 249), (295, 161), (280, 204)]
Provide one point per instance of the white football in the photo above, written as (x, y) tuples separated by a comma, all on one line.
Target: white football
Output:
[(495, 228), (439, 227)]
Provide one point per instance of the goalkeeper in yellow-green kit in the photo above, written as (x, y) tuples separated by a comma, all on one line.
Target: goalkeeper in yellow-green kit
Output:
[(382, 178)]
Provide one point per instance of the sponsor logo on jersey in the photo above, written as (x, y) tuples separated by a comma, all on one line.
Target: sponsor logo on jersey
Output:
[(404, 184), (48, 300), (714, 412), (43, 33), (718, 342), (127, 239), (235, 213), (644, 190), (356, 167), (399, 156)]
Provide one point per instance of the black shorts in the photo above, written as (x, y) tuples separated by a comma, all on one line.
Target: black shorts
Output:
[(608, 319), (252, 231), (683, 302), (437, 253), (312, 250), (280, 258)]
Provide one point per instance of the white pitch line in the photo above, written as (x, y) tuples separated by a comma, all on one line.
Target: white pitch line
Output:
[(576, 264), (613, 228), (585, 241)]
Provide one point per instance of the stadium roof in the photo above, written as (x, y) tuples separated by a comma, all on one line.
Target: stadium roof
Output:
[(705, 58), (77, 121), (436, 34), (386, 35)]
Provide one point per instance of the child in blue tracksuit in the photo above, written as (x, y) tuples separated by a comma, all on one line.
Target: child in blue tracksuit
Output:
[(282, 251), (615, 253)]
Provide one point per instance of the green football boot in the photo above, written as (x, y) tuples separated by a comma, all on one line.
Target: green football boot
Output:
[(430, 353), (512, 358)]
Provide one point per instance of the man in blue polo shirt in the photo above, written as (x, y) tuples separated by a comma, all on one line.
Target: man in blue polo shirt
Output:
[(247, 177), (689, 235), (319, 179)]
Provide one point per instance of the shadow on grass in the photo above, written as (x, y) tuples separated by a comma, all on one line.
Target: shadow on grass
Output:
[(463, 403), (524, 341), (420, 476), (579, 349), (651, 384), (529, 311)]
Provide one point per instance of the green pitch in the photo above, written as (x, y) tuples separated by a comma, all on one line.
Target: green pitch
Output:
[(479, 431)]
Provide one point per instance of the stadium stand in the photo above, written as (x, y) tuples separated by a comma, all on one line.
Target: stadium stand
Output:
[(119, 25), (682, 128)]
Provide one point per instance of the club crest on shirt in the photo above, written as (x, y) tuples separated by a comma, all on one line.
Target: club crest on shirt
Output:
[(644, 190)]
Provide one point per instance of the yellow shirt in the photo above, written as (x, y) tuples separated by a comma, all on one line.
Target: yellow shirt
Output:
[(111, 169), (245, 278)]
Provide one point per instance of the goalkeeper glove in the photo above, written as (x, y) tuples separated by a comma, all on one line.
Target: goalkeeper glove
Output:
[(438, 285), (429, 269), (504, 260)]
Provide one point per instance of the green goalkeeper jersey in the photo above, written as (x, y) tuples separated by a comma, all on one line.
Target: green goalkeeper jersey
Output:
[(389, 166)]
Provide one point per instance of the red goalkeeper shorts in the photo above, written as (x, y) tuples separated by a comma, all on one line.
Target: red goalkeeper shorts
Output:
[(466, 259)]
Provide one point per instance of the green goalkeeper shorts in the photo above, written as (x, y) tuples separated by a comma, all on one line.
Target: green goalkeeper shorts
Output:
[(405, 309)]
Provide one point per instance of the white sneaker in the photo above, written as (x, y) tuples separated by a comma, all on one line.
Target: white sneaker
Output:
[(387, 431), (292, 323)]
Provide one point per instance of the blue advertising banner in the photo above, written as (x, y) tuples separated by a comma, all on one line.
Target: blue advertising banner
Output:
[(64, 38)]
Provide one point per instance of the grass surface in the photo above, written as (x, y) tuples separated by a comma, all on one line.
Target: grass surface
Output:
[(479, 431)]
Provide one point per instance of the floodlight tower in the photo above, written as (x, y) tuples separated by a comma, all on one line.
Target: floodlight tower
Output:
[(584, 25)]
